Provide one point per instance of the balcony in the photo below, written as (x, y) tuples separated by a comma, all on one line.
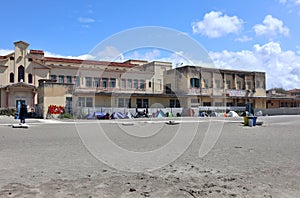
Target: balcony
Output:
[(194, 91)]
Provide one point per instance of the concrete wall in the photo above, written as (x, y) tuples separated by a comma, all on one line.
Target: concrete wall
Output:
[(53, 94), (280, 111)]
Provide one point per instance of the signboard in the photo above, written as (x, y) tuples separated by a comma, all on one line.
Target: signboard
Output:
[(233, 92)]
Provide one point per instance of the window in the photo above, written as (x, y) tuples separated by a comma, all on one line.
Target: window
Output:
[(139, 103), (124, 102), (69, 79), (142, 103), (89, 102), (206, 83), (258, 84), (85, 101), (121, 102), (194, 100), (239, 84), (104, 83), (69, 105), (128, 102), (228, 84), (11, 77), (168, 88), (21, 74), (53, 77), (123, 83), (218, 104), (88, 82), (194, 83), (206, 104), (174, 103), (112, 83), (229, 104), (217, 84), (81, 101), (76, 81), (149, 84), (96, 82), (29, 78), (61, 79), (129, 83), (142, 84), (145, 103), (11, 58), (249, 85), (29, 59), (135, 84)]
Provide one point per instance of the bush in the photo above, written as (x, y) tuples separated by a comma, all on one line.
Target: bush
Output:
[(66, 115), (8, 112)]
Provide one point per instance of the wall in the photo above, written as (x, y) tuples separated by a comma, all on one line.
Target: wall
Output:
[(53, 94), (280, 111)]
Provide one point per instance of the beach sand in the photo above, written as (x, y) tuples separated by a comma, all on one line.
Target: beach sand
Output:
[(49, 159)]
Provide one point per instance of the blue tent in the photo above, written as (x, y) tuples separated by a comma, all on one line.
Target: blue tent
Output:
[(90, 116), (101, 115), (118, 115), (160, 114)]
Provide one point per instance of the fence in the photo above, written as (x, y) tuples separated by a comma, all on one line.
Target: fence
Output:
[(280, 111), (84, 111)]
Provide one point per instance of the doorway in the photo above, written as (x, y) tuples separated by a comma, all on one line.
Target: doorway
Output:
[(19, 102)]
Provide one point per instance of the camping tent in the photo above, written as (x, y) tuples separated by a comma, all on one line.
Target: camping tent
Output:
[(101, 115), (90, 116), (118, 115), (129, 115), (159, 114), (232, 114)]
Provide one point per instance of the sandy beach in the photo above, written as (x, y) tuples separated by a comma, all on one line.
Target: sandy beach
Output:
[(53, 159)]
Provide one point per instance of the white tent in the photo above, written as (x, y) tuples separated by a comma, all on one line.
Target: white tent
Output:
[(232, 114)]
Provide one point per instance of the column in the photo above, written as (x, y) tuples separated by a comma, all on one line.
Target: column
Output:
[(7, 97)]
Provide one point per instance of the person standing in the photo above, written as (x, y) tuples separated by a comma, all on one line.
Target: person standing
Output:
[(249, 108), (23, 113)]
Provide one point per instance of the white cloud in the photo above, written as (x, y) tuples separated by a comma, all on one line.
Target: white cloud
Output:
[(271, 26), (282, 67), (85, 20), (215, 24), (150, 55), (243, 39), (109, 53), (296, 2), (4, 52), (282, 1)]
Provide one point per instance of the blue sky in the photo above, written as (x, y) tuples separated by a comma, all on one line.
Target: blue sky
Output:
[(248, 35)]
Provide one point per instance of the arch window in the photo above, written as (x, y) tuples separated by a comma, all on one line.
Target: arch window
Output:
[(11, 77), (21, 74), (29, 78)]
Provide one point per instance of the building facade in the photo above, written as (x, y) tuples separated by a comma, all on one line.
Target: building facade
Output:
[(288, 99), (39, 81)]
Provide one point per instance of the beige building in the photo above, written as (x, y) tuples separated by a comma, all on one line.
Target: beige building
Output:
[(39, 81), (201, 86)]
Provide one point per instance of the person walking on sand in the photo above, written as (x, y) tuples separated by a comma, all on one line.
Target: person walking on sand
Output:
[(23, 113)]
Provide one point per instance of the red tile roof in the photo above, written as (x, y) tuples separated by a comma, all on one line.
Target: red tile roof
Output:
[(92, 62), (37, 52)]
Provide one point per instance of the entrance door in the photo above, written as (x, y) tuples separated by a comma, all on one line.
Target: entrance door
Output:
[(18, 106), (19, 102), (69, 105)]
